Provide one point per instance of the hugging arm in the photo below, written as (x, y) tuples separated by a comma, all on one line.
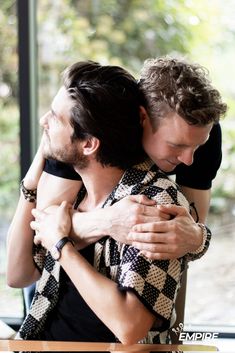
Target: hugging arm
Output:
[(163, 232), (133, 219), (21, 269), (182, 234), (121, 312), (129, 301)]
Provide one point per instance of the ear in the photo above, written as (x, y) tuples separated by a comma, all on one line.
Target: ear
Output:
[(90, 146), (143, 115)]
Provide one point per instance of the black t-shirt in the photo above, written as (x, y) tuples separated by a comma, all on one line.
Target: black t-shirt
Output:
[(72, 319), (207, 160), (61, 169), (199, 175)]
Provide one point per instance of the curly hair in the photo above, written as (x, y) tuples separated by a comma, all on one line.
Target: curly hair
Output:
[(170, 84)]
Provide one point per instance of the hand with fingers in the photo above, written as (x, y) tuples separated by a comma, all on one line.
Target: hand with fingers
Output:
[(130, 211), (51, 225), (167, 239)]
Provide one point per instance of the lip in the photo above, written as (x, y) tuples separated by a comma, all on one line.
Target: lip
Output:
[(171, 163)]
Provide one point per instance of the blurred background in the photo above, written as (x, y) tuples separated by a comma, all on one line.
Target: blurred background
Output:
[(125, 33)]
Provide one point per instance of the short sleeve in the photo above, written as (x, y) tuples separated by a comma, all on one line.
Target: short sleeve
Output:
[(155, 283), (207, 160), (61, 170)]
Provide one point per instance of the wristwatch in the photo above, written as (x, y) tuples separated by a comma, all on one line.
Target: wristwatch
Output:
[(56, 249)]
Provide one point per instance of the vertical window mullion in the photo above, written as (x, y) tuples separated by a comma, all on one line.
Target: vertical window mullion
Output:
[(28, 73)]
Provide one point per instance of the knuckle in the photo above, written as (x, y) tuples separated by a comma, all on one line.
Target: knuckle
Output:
[(144, 209), (155, 249), (151, 256), (134, 219), (137, 209), (152, 237), (134, 208), (174, 248), (156, 256), (157, 212), (176, 227), (174, 238), (153, 228), (152, 248)]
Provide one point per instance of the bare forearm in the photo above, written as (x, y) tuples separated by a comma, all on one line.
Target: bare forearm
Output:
[(115, 221), (123, 313), (53, 190), (89, 227), (21, 270), (201, 201)]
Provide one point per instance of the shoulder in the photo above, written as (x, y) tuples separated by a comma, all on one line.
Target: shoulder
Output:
[(147, 179), (166, 191)]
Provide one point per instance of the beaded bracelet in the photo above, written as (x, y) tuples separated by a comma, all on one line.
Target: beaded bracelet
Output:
[(29, 195), (205, 231)]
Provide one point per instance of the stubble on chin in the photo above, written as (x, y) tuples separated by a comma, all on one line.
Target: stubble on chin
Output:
[(47, 153), (67, 155)]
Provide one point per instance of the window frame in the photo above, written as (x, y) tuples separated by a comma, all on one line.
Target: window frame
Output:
[(28, 105)]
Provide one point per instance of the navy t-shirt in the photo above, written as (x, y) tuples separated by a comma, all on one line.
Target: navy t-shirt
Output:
[(199, 175)]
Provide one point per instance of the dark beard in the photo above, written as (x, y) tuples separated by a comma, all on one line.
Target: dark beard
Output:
[(68, 155)]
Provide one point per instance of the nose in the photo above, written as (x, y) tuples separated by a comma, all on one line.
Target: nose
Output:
[(44, 120), (186, 157)]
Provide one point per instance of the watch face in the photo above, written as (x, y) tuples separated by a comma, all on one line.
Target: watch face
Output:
[(55, 253)]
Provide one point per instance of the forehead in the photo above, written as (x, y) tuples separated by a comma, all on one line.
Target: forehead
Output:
[(62, 103), (176, 130)]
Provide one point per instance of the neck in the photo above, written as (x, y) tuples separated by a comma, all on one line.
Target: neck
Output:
[(99, 182)]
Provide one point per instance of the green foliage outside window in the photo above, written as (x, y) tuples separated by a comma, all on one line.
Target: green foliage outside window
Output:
[(9, 116), (118, 32)]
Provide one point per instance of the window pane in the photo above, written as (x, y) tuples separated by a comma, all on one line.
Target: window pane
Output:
[(126, 33), (210, 291), (111, 32), (10, 299)]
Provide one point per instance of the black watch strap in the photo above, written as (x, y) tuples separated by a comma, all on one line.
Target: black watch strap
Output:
[(61, 243), (56, 249)]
